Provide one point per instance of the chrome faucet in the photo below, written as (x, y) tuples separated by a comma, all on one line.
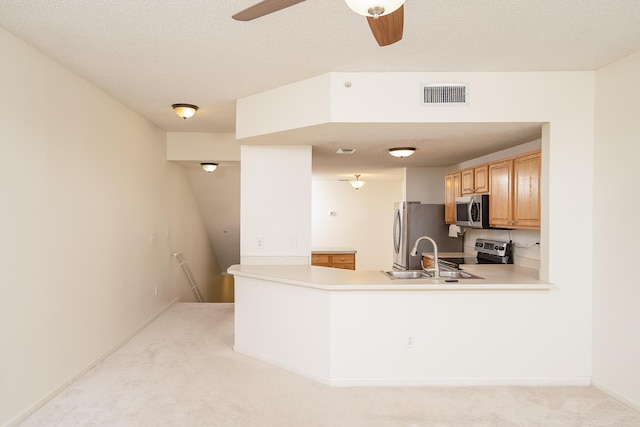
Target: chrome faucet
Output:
[(414, 252)]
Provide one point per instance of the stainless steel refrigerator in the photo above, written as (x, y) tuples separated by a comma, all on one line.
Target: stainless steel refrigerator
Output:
[(413, 220)]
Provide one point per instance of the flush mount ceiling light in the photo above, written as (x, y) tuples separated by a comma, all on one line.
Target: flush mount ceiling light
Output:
[(374, 8), (185, 110), (209, 167), (402, 151), (357, 184)]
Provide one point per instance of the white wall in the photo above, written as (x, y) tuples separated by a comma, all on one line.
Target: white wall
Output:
[(363, 219), (202, 147), (85, 226), (275, 205), (616, 296)]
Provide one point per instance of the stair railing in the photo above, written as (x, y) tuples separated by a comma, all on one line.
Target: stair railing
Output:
[(192, 281)]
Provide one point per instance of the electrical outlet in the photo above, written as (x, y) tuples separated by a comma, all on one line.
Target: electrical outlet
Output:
[(156, 290), (410, 342), (259, 243)]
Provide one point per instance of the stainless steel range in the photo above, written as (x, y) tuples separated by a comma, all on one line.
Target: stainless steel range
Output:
[(488, 252)]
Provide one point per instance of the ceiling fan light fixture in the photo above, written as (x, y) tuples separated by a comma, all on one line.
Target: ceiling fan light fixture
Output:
[(402, 151), (209, 167), (185, 110), (374, 8)]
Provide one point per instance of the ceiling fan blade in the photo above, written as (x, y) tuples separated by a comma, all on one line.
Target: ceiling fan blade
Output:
[(263, 8), (387, 29)]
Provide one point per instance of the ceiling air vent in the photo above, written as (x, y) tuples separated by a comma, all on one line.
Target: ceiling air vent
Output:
[(444, 93), (346, 150)]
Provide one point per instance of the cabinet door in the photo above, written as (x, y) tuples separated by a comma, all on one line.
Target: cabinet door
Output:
[(526, 191), (475, 180), (451, 191), (481, 179), (500, 193), (466, 177)]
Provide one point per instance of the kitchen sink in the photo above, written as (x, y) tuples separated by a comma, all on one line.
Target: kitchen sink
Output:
[(407, 274), (457, 274), (420, 274)]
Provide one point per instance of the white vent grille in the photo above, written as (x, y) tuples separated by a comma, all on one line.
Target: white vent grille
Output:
[(346, 150), (444, 93)]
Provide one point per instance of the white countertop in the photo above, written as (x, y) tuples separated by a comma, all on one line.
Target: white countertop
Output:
[(450, 254), (495, 277), (333, 251)]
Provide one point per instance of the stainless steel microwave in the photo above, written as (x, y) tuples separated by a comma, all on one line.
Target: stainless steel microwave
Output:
[(473, 211)]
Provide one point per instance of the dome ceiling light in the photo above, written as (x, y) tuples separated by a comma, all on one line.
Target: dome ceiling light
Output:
[(402, 151), (185, 110), (209, 167)]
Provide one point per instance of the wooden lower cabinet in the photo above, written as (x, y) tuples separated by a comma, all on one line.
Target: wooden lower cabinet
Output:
[(346, 261)]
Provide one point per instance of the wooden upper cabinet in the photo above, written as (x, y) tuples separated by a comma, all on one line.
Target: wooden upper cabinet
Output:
[(513, 185), (481, 179), (475, 180), (500, 193), (451, 191), (526, 191), (514, 188)]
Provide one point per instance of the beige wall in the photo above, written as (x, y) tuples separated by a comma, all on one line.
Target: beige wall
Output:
[(86, 228), (616, 294), (363, 219), (218, 196)]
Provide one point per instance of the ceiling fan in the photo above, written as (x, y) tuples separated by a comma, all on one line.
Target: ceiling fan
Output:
[(385, 17)]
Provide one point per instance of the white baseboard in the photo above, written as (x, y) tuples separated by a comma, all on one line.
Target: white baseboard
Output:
[(26, 413), (617, 396), (458, 382), (300, 372), (422, 382)]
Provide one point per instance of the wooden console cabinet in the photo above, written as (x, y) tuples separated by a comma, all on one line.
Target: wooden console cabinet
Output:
[(337, 259)]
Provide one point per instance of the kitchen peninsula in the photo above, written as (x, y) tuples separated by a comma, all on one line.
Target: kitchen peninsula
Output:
[(344, 327)]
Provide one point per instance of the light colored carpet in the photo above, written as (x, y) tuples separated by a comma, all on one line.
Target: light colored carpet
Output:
[(181, 371)]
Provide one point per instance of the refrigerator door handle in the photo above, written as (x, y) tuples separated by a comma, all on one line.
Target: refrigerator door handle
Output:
[(397, 225)]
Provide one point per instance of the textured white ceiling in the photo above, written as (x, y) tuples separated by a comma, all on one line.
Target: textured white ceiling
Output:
[(150, 54)]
